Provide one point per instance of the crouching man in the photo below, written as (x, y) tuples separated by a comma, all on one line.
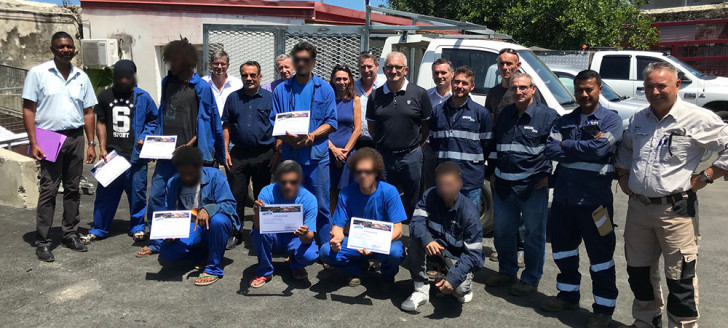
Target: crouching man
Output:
[(299, 245), (445, 232), (203, 190)]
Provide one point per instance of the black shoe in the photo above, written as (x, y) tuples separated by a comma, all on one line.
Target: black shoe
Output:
[(500, 280), (555, 304), (522, 289), (74, 243), (44, 253), (232, 242), (386, 286)]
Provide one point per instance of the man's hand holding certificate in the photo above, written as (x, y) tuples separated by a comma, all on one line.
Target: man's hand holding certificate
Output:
[(108, 169), (281, 219), (371, 235), (292, 122), (170, 225), (158, 147)]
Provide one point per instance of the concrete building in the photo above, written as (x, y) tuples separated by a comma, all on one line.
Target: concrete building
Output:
[(143, 27)]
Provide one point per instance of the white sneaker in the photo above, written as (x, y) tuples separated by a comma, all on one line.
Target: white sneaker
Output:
[(465, 298), (420, 296)]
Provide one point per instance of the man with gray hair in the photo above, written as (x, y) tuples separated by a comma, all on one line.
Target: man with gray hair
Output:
[(284, 69), (521, 186), (398, 115), (299, 246), (222, 84), (671, 136)]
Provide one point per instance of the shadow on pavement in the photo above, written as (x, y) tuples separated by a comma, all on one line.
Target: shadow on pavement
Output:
[(280, 270)]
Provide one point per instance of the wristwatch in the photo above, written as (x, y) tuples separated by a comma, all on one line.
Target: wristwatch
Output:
[(92, 143), (704, 177)]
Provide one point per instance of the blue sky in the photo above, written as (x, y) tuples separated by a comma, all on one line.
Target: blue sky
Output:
[(353, 4)]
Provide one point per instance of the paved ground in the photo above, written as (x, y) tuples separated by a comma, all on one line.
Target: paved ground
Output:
[(108, 286)]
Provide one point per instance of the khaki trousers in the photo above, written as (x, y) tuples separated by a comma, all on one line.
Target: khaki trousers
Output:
[(670, 231)]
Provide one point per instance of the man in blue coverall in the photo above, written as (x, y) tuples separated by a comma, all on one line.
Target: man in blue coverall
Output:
[(125, 115), (521, 186), (298, 245), (307, 92), (187, 110), (205, 192), (461, 131), (445, 227), (584, 142), (371, 199)]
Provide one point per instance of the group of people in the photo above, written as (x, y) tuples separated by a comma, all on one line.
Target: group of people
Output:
[(364, 145)]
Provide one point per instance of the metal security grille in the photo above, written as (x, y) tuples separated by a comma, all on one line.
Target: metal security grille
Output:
[(262, 43), (11, 100)]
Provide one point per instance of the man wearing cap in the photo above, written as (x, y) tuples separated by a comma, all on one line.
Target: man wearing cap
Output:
[(125, 115)]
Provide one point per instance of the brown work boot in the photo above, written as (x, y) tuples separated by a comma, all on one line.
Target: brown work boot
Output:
[(555, 304), (597, 320)]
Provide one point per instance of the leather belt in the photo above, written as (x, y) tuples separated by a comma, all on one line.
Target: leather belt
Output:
[(404, 151), (669, 199)]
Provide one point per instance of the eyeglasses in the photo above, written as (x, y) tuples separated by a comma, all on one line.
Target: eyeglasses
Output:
[(340, 67), (508, 50), (288, 182), (302, 59), (367, 52), (520, 87), (365, 172), (252, 76), (393, 68)]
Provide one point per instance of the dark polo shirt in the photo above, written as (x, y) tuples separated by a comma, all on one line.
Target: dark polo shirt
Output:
[(398, 116)]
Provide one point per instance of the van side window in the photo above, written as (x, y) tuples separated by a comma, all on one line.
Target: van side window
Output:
[(482, 62), (615, 67), (642, 62)]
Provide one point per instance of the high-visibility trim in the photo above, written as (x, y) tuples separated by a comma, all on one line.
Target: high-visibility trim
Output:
[(602, 266), (567, 287), (460, 156), (518, 148), (420, 212), (493, 155), (592, 167), (474, 246), (610, 138), (565, 254), (556, 136), (605, 301), (512, 176), (486, 135), (455, 134)]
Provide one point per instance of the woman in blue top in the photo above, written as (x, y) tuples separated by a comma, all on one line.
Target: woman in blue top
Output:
[(341, 142)]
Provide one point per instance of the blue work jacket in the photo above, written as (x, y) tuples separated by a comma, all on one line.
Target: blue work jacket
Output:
[(463, 138), (215, 195), (145, 120), (323, 112), (457, 229), (520, 143), (585, 171), (210, 139)]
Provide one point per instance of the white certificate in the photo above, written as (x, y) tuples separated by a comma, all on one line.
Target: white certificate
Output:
[(158, 147), (170, 224), (375, 236), (107, 171), (280, 218), (293, 122)]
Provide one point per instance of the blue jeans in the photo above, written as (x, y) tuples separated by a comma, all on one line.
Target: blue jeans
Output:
[(404, 171), (316, 179), (203, 243), (351, 262), (134, 183), (507, 216), (163, 171), (474, 196), (266, 245)]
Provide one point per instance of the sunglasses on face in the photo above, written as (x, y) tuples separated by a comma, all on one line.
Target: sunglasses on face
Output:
[(288, 182), (252, 76), (302, 59), (393, 68)]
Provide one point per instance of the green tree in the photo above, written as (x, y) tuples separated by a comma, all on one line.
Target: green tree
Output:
[(556, 24)]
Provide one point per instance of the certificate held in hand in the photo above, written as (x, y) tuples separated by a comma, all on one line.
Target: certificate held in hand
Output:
[(375, 236), (107, 171), (158, 147), (293, 122), (280, 218), (170, 225)]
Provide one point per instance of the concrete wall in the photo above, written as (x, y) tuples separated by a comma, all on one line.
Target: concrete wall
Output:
[(19, 175), (144, 33), (27, 28)]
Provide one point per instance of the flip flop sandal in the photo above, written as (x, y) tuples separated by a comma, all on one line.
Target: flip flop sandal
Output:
[(209, 282), (89, 238), (139, 235)]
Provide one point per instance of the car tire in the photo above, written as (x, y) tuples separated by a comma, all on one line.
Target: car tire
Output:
[(486, 208), (723, 115)]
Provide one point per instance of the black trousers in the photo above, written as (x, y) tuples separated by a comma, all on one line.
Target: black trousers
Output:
[(248, 166), (67, 168)]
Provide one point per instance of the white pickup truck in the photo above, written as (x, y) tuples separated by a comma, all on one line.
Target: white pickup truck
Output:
[(622, 70)]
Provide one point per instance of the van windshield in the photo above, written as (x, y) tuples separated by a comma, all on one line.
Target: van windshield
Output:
[(562, 95)]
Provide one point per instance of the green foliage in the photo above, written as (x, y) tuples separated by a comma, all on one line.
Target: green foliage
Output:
[(555, 24), (100, 78)]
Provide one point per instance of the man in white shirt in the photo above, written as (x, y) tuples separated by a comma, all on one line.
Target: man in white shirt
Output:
[(363, 87), (59, 97), (442, 75), (222, 84)]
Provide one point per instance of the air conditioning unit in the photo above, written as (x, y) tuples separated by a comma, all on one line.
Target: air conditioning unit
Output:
[(100, 53)]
